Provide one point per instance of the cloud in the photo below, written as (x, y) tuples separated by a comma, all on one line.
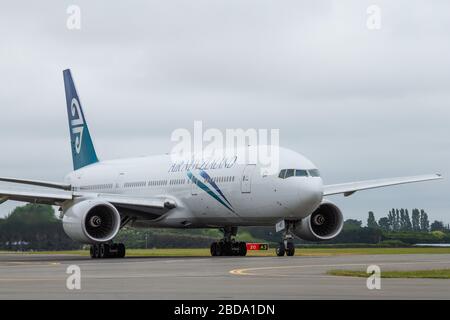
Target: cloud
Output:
[(360, 103)]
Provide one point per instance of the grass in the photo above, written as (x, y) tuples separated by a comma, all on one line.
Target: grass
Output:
[(204, 252), (417, 274)]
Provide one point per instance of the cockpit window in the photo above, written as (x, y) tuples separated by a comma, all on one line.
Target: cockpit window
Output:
[(314, 173), (301, 173), (290, 173), (287, 173)]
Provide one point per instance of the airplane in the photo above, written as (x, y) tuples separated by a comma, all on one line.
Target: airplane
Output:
[(99, 198)]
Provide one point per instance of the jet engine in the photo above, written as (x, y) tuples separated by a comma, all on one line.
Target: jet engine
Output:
[(91, 221), (323, 224)]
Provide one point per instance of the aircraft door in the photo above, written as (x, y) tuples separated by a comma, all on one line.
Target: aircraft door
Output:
[(246, 181), (194, 188), (120, 181)]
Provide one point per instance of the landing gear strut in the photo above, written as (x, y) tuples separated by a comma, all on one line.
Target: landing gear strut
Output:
[(106, 250), (286, 246), (228, 246)]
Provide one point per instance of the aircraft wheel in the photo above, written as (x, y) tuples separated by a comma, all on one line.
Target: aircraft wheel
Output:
[(213, 249), (102, 251), (96, 251), (222, 248), (92, 252), (242, 249), (121, 250), (280, 250), (107, 251), (227, 249), (290, 250), (219, 249)]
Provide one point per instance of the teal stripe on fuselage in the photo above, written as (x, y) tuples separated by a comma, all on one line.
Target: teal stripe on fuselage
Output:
[(205, 175), (205, 188)]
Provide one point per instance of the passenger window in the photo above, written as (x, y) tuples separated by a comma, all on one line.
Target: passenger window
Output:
[(289, 173), (282, 174), (301, 173)]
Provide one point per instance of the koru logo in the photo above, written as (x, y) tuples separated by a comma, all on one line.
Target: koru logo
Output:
[(77, 124)]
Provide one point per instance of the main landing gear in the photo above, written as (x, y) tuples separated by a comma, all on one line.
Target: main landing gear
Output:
[(286, 246), (228, 246), (105, 250)]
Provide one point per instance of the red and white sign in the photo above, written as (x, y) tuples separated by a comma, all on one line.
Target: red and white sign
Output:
[(257, 246)]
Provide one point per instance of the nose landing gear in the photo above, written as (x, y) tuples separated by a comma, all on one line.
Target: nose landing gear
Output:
[(228, 246), (286, 246)]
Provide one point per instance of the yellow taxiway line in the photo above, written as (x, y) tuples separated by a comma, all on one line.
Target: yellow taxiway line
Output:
[(254, 271)]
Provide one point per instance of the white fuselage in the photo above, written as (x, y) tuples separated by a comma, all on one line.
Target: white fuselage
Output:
[(233, 193)]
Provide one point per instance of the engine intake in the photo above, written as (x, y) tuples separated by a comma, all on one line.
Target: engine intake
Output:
[(323, 224), (91, 221)]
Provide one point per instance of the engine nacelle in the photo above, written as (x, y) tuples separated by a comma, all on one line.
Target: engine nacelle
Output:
[(91, 221), (323, 224)]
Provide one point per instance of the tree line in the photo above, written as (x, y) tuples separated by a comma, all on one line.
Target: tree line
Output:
[(399, 220), (398, 228), (35, 227)]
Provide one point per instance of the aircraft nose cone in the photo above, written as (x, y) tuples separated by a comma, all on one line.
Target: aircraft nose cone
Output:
[(311, 195)]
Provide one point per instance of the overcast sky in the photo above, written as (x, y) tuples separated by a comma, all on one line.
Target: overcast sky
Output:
[(360, 103)]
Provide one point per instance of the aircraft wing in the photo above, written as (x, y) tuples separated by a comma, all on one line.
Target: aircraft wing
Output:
[(350, 188), (35, 196), (40, 183), (59, 197)]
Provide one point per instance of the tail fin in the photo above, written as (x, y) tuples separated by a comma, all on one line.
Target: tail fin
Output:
[(83, 151)]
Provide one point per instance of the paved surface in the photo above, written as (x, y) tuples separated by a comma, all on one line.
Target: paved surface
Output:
[(44, 277)]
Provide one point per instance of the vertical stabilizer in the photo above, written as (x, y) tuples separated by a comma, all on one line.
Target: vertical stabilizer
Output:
[(83, 151)]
